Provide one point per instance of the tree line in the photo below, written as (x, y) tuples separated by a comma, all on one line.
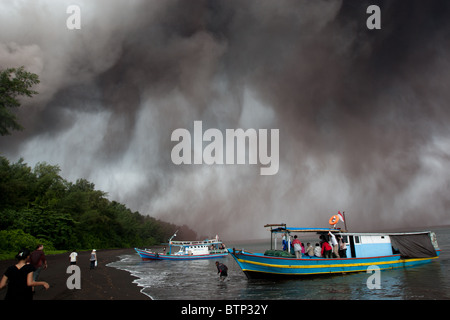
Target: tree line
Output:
[(37, 205)]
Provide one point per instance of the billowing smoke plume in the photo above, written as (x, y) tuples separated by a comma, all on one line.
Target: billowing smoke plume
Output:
[(363, 114)]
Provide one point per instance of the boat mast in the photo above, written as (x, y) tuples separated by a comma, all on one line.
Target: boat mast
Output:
[(345, 221), (170, 241)]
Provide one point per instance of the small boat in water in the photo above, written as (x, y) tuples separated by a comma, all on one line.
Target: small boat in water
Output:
[(359, 251), (187, 250)]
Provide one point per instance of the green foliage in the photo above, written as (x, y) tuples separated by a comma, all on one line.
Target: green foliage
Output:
[(15, 240), (16, 183), (54, 226), (14, 82), (38, 205)]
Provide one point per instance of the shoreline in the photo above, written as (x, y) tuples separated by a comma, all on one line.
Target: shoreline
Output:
[(102, 283)]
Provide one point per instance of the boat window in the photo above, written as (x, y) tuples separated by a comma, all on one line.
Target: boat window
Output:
[(345, 239), (356, 239)]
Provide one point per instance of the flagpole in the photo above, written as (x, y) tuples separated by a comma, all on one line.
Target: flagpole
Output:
[(345, 221)]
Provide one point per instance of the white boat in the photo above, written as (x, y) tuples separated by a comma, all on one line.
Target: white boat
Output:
[(187, 250)]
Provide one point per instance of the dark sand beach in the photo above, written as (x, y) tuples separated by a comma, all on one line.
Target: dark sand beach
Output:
[(102, 283)]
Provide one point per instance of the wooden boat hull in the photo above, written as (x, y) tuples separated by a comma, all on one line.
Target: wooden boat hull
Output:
[(147, 255), (257, 265)]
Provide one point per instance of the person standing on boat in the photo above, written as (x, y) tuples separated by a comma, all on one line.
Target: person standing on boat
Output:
[(342, 247), (334, 244), (297, 247), (326, 250), (222, 270)]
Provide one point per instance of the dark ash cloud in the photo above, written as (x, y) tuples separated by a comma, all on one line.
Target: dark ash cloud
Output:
[(362, 114)]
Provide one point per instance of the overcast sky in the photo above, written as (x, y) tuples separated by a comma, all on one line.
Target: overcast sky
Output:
[(363, 115)]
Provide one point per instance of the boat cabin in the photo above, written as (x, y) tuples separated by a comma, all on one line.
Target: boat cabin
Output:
[(410, 244), (193, 250), (197, 247), (367, 245)]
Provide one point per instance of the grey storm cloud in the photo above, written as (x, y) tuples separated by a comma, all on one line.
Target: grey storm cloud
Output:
[(363, 114)]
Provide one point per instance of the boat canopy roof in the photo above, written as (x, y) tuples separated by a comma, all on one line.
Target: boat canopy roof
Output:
[(193, 243), (282, 228)]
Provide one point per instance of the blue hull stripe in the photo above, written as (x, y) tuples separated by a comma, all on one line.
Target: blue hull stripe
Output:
[(153, 256), (253, 262)]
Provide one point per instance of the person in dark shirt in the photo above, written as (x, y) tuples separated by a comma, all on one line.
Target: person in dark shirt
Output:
[(222, 269), (19, 279), (38, 261)]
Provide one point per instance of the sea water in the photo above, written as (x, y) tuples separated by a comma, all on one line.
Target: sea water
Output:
[(198, 280)]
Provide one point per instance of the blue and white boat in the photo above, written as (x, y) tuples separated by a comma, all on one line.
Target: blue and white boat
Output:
[(384, 250), (187, 250)]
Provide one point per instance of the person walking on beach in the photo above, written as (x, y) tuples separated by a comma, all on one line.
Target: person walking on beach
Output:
[(38, 261), (73, 257), (222, 270), (93, 259), (19, 279)]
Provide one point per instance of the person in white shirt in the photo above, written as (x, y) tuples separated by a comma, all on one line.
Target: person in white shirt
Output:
[(342, 247), (334, 244), (73, 258), (317, 250), (297, 247)]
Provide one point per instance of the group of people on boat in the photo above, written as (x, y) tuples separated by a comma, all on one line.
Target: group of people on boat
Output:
[(329, 246), (217, 247)]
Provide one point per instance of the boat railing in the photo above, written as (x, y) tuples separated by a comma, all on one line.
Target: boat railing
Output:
[(194, 243), (218, 251)]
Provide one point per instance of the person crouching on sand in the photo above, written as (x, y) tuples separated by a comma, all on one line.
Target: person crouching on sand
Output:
[(19, 279)]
